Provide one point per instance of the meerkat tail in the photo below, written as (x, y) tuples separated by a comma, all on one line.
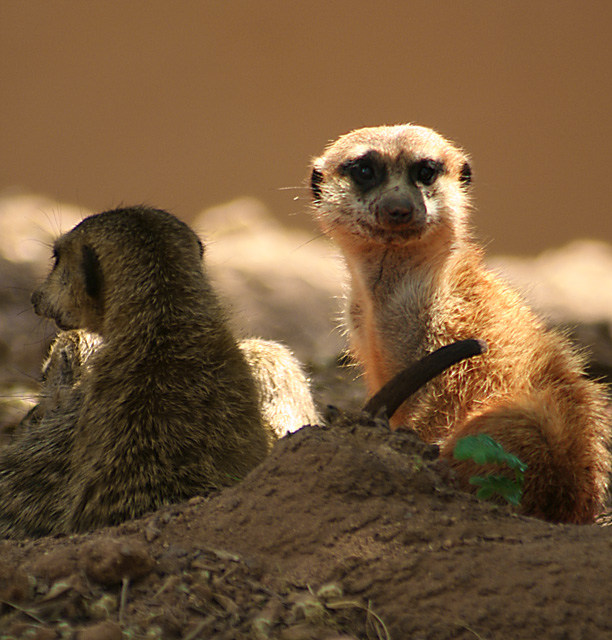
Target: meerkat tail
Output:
[(412, 378)]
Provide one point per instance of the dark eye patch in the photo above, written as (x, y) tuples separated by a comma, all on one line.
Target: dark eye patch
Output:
[(367, 172), (92, 272), (426, 171)]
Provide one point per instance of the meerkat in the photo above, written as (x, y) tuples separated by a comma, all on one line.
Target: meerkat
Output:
[(396, 201), (283, 389), (165, 407), (62, 371)]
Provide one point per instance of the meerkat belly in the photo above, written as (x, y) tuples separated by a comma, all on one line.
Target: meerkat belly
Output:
[(386, 334)]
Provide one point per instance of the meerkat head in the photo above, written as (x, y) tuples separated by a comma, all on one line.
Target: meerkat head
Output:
[(118, 262), (391, 186), (72, 293)]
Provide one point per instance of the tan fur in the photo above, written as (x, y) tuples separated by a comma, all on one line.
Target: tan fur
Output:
[(282, 387), (163, 409), (418, 282)]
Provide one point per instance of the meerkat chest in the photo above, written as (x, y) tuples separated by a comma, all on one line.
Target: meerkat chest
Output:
[(388, 325)]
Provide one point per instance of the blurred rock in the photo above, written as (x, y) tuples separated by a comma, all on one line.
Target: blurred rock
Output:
[(30, 224), (571, 287), (282, 284), (569, 284)]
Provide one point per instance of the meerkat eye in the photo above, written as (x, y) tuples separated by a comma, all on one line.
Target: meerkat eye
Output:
[(365, 172), (426, 172)]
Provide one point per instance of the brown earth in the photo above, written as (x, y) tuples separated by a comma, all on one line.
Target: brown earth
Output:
[(345, 531)]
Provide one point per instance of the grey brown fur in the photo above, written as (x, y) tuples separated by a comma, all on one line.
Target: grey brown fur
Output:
[(164, 409), (62, 371)]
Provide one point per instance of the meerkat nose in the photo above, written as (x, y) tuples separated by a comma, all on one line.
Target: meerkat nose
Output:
[(399, 215), (397, 211)]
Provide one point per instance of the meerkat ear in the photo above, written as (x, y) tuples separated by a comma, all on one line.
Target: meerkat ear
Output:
[(316, 178), (92, 272), (465, 177)]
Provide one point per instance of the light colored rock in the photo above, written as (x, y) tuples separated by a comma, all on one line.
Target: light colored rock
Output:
[(569, 284), (283, 284), (571, 287), (30, 223)]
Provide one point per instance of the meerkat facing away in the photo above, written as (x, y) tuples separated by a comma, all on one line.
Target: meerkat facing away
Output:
[(166, 407), (395, 199), (283, 389)]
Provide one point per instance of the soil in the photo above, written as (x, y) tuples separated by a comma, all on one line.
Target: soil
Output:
[(346, 531)]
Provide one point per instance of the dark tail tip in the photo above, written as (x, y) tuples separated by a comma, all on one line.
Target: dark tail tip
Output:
[(416, 375)]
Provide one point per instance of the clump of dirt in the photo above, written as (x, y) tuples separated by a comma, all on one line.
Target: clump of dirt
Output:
[(348, 531)]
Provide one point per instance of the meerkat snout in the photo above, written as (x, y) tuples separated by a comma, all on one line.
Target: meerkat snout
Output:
[(73, 294), (397, 210)]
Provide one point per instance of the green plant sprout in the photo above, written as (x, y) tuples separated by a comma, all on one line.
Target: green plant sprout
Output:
[(485, 450)]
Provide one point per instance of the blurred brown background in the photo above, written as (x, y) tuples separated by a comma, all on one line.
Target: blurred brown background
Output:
[(188, 104)]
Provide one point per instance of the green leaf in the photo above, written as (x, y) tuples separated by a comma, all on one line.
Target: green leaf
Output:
[(493, 484), (483, 449)]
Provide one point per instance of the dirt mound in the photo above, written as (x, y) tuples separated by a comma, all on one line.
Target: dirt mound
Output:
[(343, 532)]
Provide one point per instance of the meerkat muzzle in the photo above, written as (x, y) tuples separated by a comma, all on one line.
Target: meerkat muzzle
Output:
[(399, 213)]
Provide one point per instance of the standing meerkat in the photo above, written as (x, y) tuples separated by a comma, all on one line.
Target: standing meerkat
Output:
[(164, 408), (395, 199)]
